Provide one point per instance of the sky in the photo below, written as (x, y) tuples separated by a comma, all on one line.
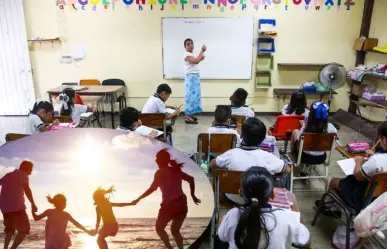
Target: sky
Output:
[(76, 162)]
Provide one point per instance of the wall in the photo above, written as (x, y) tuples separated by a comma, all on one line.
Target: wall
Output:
[(126, 43), (378, 30)]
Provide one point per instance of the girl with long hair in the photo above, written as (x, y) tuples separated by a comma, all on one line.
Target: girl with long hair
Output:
[(257, 225), (297, 105), (169, 178)]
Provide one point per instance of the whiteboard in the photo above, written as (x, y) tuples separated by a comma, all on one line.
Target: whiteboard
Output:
[(229, 44)]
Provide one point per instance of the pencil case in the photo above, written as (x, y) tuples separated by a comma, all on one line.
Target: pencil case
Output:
[(267, 147), (357, 147)]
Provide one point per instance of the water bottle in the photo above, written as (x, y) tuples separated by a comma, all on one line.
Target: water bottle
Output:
[(204, 167)]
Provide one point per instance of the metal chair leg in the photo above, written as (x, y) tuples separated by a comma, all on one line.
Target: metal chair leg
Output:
[(348, 230), (322, 201)]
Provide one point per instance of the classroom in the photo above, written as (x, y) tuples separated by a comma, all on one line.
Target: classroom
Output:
[(280, 103)]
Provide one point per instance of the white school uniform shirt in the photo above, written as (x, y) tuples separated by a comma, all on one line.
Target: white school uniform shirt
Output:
[(238, 159), (224, 130), (285, 108), (12, 191), (374, 165), (331, 129), (242, 111), (284, 230), (154, 105), (190, 67), (76, 112), (34, 122)]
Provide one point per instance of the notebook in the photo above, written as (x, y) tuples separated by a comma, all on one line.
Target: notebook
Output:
[(170, 111), (145, 131)]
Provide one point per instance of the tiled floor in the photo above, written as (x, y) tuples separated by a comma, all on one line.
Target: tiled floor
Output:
[(185, 137)]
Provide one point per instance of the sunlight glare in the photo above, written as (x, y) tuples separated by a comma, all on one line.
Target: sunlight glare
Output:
[(88, 156), (88, 242)]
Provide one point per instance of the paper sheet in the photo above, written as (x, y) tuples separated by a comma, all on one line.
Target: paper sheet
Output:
[(78, 52), (145, 130), (347, 165), (170, 111)]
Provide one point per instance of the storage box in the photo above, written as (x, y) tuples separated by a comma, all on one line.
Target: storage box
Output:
[(373, 97), (365, 44)]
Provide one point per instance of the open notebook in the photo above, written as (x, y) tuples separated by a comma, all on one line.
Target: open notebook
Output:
[(145, 130), (347, 165)]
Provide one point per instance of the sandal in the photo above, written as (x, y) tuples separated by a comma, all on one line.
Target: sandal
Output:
[(190, 121), (194, 118)]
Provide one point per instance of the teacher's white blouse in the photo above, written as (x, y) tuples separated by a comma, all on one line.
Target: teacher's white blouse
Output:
[(190, 67)]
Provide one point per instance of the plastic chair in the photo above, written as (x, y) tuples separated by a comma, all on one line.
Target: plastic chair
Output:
[(117, 82), (224, 181), (284, 126), (376, 187), (88, 82), (321, 142)]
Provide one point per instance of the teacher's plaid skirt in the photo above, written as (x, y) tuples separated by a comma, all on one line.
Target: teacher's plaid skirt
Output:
[(193, 97)]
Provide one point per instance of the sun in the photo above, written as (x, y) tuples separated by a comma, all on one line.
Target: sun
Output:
[(88, 156)]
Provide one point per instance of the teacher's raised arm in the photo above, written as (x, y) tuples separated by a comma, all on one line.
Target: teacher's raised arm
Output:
[(192, 97)]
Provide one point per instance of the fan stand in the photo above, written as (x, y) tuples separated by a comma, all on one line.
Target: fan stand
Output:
[(329, 105)]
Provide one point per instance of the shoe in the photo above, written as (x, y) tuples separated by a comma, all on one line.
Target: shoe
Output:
[(195, 118), (326, 210), (187, 121)]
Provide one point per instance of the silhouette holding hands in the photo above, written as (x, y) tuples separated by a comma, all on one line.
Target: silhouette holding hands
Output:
[(104, 210), (56, 224), (174, 205)]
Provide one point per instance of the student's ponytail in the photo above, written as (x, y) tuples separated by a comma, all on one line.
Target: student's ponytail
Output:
[(42, 105), (175, 165), (257, 186)]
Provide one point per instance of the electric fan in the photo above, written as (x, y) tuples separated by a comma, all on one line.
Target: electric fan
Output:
[(332, 77)]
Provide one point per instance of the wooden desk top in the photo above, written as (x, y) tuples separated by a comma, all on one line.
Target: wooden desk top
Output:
[(91, 90), (344, 152), (289, 91)]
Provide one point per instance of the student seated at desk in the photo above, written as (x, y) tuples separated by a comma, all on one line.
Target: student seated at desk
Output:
[(40, 115), (249, 154), (352, 188), (297, 105), (222, 122), (129, 121), (238, 104), (317, 123), (156, 103), (69, 108), (257, 225)]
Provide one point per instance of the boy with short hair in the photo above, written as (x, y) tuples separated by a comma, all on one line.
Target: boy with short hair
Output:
[(249, 154), (238, 104), (222, 122), (156, 103), (129, 121), (12, 204)]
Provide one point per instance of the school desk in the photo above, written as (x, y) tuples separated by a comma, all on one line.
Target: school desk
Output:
[(344, 152), (109, 94)]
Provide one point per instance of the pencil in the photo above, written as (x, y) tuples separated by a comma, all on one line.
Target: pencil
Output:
[(376, 144)]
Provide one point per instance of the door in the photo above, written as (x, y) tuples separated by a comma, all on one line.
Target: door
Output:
[(17, 94)]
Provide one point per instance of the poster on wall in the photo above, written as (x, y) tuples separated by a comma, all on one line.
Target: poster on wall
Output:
[(209, 5)]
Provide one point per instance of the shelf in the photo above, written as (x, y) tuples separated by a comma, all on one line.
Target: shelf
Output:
[(370, 76), (300, 66), (46, 40), (374, 51), (377, 103)]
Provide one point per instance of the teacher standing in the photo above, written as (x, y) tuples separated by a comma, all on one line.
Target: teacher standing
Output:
[(192, 97)]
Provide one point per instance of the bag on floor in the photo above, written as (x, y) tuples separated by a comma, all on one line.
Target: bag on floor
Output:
[(339, 238), (373, 218)]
